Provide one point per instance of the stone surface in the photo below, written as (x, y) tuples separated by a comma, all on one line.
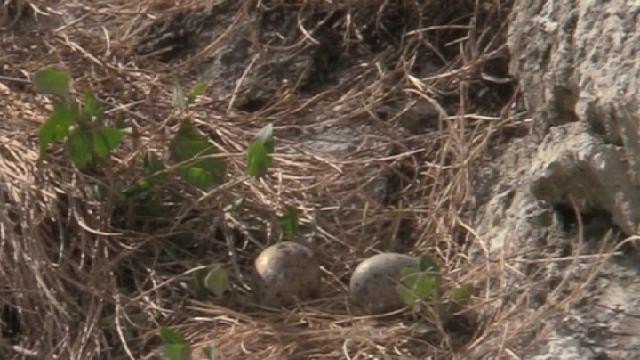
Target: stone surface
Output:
[(577, 65), (574, 165)]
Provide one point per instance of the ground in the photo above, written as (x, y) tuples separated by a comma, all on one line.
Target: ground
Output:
[(386, 117)]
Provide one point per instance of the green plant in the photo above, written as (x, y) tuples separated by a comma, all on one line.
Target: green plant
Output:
[(418, 284), (175, 345), (289, 222), (259, 152), (196, 159), (217, 281), (192, 151), (88, 140)]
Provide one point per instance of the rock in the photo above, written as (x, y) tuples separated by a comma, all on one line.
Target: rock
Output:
[(577, 65), (574, 164), (578, 62), (285, 272), (373, 283)]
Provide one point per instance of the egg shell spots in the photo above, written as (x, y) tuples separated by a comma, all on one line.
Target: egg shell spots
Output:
[(286, 271), (373, 283)]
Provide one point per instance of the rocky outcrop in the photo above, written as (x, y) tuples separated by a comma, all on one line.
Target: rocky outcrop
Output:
[(577, 63)]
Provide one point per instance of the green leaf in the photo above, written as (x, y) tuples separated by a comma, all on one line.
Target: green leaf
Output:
[(428, 264), (197, 176), (100, 146), (178, 99), (461, 295), (56, 128), (407, 296), (140, 187), (188, 144), (415, 285), (210, 352), (197, 90), (199, 289), (170, 336), (259, 152), (177, 352), (92, 108), (103, 140), (424, 285), (112, 137), (258, 160), (217, 281), (265, 136), (52, 81), (80, 149), (289, 222), (175, 345)]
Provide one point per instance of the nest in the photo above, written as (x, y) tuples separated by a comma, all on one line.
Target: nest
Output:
[(382, 112)]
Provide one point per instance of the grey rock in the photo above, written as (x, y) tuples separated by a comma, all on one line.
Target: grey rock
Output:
[(577, 65), (573, 164)]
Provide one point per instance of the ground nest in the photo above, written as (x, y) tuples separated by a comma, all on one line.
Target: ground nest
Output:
[(381, 111)]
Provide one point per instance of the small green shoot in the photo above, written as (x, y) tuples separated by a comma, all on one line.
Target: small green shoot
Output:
[(88, 141), (461, 295), (289, 222), (415, 285), (459, 298), (197, 90), (418, 283), (180, 101), (53, 82), (189, 144), (200, 291), (56, 128), (259, 152), (426, 263), (175, 345), (91, 106), (217, 281), (79, 146)]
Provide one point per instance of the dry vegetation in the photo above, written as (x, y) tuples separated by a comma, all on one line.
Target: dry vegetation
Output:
[(88, 278)]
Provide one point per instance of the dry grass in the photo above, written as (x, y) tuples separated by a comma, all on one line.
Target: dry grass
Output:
[(94, 279)]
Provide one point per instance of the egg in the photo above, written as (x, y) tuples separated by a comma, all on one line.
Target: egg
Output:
[(285, 272), (373, 283)]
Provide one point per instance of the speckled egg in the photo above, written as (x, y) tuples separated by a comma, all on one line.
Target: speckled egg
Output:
[(284, 272), (373, 283)]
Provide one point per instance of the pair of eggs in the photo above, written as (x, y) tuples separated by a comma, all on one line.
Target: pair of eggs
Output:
[(288, 270)]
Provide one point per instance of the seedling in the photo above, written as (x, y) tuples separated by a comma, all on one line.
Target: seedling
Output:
[(418, 284), (189, 145), (289, 222), (175, 346), (88, 141), (259, 152)]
